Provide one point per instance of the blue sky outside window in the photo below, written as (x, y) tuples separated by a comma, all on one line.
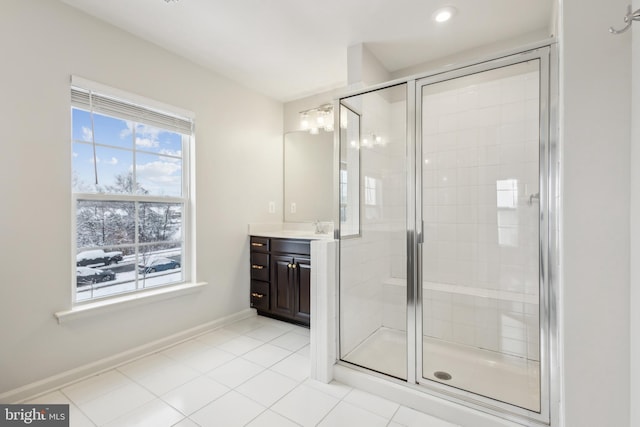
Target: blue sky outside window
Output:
[(159, 173)]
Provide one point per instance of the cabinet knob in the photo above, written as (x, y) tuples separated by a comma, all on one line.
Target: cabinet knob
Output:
[(256, 295), (257, 267), (293, 266)]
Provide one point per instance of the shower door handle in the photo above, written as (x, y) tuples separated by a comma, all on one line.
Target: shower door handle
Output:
[(533, 197)]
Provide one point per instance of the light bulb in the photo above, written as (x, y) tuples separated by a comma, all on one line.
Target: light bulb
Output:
[(304, 121), (444, 14), (328, 123)]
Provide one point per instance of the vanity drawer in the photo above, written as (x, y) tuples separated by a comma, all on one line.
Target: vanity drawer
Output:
[(302, 247), (260, 295), (260, 266), (259, 244)]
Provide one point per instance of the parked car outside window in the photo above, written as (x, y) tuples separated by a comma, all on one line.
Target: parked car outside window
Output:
[(158, 264), (87, 275), (98, 256)]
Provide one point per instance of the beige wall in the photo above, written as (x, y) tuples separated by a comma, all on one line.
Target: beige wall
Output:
[(635, 223), (595, 109), (43, 43)]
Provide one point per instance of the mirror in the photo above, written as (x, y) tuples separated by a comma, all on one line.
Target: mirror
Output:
[(349, 172), (308, 176)]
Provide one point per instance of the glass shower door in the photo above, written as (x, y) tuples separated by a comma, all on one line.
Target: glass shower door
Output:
[(373, 236), (480, 276)]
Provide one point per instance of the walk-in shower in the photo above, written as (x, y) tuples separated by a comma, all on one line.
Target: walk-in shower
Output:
[(446, 233)]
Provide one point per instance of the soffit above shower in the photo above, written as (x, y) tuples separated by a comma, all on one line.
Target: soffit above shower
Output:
[(288, 49)]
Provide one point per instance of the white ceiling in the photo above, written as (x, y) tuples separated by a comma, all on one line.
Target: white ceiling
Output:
[(288, 49)]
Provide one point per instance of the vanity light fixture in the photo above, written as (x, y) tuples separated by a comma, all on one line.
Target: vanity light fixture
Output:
[(444, 14), (317, 118), (371, 140)]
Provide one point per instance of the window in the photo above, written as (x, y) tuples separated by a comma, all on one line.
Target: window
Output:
[(508, 215), (370, 191), (130, 186), (507, 193), (344, 191)]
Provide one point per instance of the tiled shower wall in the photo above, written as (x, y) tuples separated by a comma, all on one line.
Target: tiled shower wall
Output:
[(480, 258), (480, 255)]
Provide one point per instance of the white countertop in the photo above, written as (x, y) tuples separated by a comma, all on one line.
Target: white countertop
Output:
[(302, 231)]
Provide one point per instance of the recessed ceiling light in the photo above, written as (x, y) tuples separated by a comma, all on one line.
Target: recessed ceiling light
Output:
[(444, 14)]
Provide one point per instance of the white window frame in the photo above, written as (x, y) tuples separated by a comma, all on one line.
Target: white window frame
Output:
[(187, 199)]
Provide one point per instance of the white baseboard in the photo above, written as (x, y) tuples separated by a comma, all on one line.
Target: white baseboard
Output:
[(63, 379)]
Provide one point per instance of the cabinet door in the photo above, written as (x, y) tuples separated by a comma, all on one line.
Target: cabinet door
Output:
[(302, 291), (282, 285)]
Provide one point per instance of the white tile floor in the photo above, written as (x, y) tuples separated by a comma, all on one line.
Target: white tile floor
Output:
[(249, 373)]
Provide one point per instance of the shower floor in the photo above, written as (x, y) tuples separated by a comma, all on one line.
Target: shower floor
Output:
[(502, 377)]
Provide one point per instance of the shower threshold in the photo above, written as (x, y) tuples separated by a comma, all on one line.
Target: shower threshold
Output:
[(502, 377)]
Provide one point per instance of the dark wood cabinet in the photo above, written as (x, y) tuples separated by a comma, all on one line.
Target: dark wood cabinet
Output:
[(281, 278), (302, 302)]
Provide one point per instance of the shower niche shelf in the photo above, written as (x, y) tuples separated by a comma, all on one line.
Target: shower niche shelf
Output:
[(281, 278)]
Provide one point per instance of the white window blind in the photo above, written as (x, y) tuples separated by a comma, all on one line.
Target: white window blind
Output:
[(91, 100)]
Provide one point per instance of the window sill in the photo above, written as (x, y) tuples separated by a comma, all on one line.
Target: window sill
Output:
[(127, 301)]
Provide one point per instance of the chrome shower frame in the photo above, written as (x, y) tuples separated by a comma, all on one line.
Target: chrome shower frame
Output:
[(546, 52)]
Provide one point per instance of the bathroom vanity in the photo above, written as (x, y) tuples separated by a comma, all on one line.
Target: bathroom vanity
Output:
[(280, 253), (293, 278), (281, 278)]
